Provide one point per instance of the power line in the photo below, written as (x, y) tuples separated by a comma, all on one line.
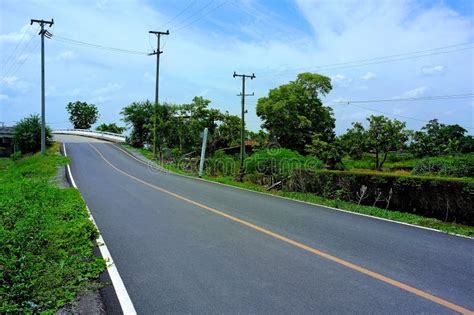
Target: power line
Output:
[(195, 13), (383, 59), (409, 99), (16, 46), (91, 45), (191, 3), (18, 63), (354, 104), (202, 16)]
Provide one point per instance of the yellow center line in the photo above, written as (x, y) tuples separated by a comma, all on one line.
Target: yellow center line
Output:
[(307, 248)]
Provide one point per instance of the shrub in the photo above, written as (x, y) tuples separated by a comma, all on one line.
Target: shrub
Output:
[(222, 164), (279, 161), (27, 134), (453, 166), (445, 199), (46, 255)]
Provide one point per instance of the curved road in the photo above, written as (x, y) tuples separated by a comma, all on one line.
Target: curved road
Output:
[(183, 245)]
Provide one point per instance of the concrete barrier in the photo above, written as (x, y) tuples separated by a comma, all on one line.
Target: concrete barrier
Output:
[(104, 135)]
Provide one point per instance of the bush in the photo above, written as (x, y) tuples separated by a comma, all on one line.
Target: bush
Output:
[(221, 164), (46, 255), (27, 134), (445, 199), (453, 166), (279, 161)]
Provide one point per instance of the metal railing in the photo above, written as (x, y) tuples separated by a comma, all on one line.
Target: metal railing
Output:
[(104, 135)]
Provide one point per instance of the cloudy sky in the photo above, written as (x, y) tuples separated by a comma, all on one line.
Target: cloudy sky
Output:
[(372, 50)]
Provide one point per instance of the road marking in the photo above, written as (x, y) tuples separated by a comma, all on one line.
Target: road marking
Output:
[(122, 294), (164, 170), (312, 250)]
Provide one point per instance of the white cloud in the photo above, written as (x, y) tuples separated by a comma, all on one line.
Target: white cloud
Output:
[(10, 81), (433, 70), (149, 77), (419, 91), (108, 89), (25, 33), (67, 55), (3, 97), (340, 80), (368, 76)]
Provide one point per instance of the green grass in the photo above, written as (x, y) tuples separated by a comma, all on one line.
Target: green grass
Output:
[(394, 162), (47, 238), (339, 204)]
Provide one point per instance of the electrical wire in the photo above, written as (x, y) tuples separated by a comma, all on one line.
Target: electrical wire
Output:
[(91, 45), (191, 3), (16, 46), (186, 19), (428, 98), (380, 59), (19, 63), (201, 16), (409, 99)]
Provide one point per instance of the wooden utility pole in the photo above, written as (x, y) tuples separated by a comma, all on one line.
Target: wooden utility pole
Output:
[(157, 52), (242, 128), (43, 33)]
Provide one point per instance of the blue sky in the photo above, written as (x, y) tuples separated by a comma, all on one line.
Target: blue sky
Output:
[(212, 38)]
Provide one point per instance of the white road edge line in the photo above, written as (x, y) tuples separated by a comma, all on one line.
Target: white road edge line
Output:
[(301, 201), (122, 294)]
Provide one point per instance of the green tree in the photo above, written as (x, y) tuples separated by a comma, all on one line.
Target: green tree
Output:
[(330, 153), (27, 134), (227, 133), (164, 127), (82, 115), (112, 127), (293, 112), (385, 135), (138, 116), (436, 138), (354, 141), (194, 118)]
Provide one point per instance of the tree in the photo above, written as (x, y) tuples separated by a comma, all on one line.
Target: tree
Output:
[(27, 134), (112, 127), (436, 138), (330, 153), (385, 135), (82, 115), (164, 127), (138, 115), (354, 141), (293, 112), (227, 133)]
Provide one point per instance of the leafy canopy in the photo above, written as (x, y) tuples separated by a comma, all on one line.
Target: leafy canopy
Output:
[(293, 112), (82, 115), (27, 134), (112, 127)]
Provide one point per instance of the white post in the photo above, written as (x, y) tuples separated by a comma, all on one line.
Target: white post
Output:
[(203, 152)]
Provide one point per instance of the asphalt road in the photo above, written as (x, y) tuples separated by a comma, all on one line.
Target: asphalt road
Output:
[(187, 246)]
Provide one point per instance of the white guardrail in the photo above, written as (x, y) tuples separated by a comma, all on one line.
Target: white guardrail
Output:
[(104, 135)]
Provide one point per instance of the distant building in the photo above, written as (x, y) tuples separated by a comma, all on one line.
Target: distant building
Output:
[(6, 141)]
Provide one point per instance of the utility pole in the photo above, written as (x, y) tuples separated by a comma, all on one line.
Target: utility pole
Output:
[(242, 128), (43, 33), (157, 52)]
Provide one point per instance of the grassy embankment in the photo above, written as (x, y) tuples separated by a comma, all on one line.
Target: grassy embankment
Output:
[(339, 204), (46, 235)]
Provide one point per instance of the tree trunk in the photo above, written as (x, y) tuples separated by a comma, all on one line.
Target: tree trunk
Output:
[(377, 159), (384, 158)]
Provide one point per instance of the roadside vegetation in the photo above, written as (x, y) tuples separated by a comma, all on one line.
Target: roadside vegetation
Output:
[(47, 238), (380, 168)]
